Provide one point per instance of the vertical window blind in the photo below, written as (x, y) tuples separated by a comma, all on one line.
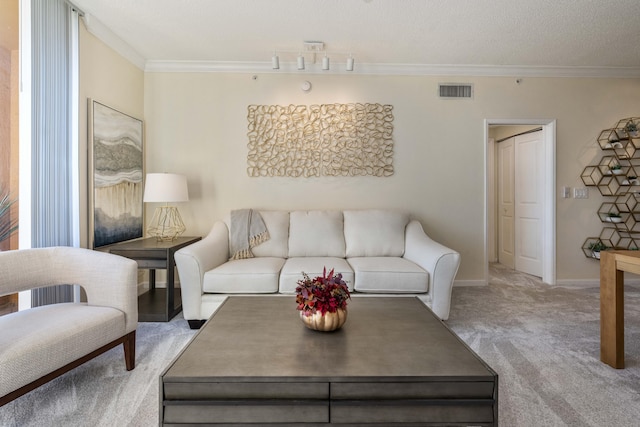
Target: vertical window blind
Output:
[(53, 139)]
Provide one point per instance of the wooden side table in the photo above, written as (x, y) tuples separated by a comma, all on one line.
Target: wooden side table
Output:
[(613, 264), (158, 304)]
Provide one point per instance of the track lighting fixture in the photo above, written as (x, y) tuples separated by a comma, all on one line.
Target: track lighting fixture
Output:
[(309, 51)]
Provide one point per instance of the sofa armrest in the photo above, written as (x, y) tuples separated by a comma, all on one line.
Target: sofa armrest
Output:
[(438, 260), (196, 259)]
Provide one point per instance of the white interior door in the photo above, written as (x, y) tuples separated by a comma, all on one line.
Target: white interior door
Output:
[(548, 189), (529, 203), (506, 202)]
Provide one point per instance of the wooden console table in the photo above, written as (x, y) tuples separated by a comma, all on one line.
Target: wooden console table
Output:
[(162, 304), (613, 264)]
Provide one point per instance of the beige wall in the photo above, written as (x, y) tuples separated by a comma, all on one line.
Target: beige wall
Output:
[(196, 124), (107, 77), (500, 132)]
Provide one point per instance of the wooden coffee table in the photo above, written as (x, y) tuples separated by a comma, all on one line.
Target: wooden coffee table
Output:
[(393, 363)]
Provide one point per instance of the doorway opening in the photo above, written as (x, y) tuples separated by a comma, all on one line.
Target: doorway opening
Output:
[(544, 168)]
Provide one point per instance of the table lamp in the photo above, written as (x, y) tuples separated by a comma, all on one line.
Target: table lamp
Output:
[(166, 224)]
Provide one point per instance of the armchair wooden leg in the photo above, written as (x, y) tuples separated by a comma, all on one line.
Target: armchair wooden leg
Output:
[(129, 345), (128, 342)]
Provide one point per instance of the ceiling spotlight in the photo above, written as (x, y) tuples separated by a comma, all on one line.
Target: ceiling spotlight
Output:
[(325, 62), (350, 63), (300, 62)]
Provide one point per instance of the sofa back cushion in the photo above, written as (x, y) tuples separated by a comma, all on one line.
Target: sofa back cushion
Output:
[(277, 223), (374, 233), (316, 233)]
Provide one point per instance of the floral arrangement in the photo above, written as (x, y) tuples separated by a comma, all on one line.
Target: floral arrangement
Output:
[(324, 294)]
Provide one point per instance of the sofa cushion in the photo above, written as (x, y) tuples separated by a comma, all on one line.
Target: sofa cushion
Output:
[(39, 340), (388, 274), (312, 266), (277, 223), (374, 233), (252, 275), (316, 234)]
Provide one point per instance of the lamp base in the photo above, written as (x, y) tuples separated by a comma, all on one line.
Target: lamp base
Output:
[(166, 224)]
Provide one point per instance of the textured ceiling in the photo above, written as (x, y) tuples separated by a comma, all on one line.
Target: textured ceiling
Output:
[(492, 33)]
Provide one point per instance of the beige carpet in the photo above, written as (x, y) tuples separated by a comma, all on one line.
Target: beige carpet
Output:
[(102, 393), (545, 345), (542, 341)]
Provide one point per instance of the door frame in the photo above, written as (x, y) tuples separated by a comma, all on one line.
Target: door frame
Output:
[(497, 204), (549, 190)]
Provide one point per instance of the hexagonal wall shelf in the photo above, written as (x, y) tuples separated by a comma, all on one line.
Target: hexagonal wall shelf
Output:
[(616, 176)]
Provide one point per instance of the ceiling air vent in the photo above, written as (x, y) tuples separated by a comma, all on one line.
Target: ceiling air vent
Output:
[(455, 90)]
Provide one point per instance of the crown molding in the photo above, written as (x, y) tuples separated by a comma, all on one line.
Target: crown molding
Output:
[(108, 37), (393, 69), (102, 32)]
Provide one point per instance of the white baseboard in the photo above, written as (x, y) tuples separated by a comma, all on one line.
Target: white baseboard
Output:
[(591, 283), (460, 283), (578, 283), (567, 283)]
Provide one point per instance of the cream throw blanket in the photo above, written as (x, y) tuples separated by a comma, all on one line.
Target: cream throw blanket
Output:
[(247, 231)]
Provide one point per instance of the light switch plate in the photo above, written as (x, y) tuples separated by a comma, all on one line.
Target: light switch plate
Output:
[(581, 193)]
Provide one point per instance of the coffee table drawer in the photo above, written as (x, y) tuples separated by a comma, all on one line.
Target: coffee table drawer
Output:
[(238, 412), (448, 412), (413, 390), (244, 390)]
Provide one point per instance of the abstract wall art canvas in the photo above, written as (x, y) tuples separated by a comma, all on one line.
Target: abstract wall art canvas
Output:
[(116, 159)]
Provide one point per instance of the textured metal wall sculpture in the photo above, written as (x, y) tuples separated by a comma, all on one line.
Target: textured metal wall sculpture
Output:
[(320, 140)]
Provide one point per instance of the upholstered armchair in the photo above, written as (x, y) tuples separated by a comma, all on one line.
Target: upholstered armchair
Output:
[(42, 343)]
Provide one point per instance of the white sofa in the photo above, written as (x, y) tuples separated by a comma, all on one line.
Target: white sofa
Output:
[(41, 343), (377, 252)]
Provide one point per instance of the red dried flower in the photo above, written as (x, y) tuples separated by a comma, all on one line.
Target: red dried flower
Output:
[(324, 293)]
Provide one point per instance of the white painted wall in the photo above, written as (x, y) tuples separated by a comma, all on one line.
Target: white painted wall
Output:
[(196, 124), (112, 80)]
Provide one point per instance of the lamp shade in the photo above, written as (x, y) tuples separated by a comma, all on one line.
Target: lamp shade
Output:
[(166, 188)]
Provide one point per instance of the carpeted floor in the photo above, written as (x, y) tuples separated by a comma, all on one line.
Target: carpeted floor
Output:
[(543, 342), (102, 393)]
